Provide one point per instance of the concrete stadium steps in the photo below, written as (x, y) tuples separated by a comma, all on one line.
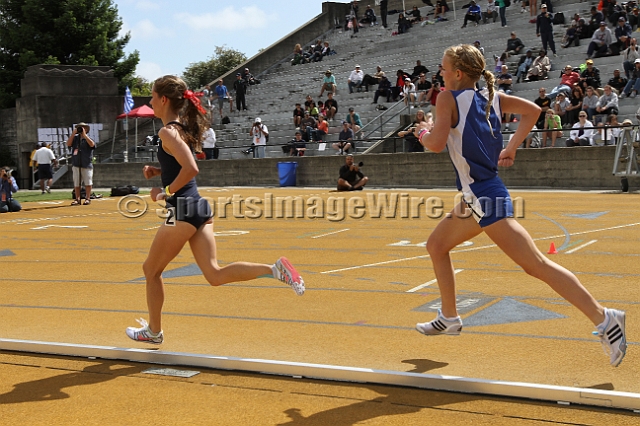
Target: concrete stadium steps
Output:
[(283, 85)]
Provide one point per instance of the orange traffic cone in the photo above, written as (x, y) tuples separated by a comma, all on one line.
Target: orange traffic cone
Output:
[(552, 249)]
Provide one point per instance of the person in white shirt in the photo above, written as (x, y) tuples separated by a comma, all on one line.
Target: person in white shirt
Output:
[(491, 12), (409, 92), (355, 79), (44, 156), (579, 136), (209, 144), (260, 133)]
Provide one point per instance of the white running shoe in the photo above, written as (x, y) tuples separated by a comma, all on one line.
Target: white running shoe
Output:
[(612, 336), (440, 325), (48, 190), (144, 333), (285, 272)]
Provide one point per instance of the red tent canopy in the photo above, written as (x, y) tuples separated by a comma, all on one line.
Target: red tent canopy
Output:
[(141, 112)]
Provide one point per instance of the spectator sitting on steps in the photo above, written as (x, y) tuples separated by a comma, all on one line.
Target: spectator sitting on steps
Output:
[(524, 64), (331, 105), (321, 130), (307, 125), (409, 92), (413, 15), (345, 139), (474, 13), (579, 136), (514, 45), (355, 79), (590, 76), (608, 102), (328, 83), (369, 17), (371, 80), (491, 12), (297, 146), (353, 118), (417, 70), (600, 42), (403, 24), (298, 115), (351, 178), (384, 89), (540, 68)]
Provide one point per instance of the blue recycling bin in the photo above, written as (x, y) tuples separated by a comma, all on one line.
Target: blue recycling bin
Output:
[(287, 173)]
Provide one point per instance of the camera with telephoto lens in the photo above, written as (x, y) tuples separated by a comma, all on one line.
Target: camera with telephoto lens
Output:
[(80, 129), (360, 164), (5, 173)]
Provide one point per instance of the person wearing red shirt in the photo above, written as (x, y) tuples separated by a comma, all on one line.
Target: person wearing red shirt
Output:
[(321, 130), (567, 81)]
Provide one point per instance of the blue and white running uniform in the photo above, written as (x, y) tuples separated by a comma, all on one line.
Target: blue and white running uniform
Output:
[(474, 151)]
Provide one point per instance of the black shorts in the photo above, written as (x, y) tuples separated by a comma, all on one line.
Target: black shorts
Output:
[(193, 210), (44, 171)]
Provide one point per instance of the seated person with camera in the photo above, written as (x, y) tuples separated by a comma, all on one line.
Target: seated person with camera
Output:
[(82, 147), (296, 147), (8, 186), (345, 139), (351, 178)]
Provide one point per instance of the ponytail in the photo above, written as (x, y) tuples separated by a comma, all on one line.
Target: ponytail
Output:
[(187, 105), (490, 79)]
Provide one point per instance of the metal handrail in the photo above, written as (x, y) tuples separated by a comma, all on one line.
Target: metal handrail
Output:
[(383, 119)]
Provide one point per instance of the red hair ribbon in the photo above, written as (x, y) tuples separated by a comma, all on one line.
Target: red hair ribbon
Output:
[(188, 94)]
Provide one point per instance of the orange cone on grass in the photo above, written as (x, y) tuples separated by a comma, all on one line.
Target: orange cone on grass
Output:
[(552, 249)]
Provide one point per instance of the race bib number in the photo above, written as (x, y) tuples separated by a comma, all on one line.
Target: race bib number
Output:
[(75, 151), (171, 217)]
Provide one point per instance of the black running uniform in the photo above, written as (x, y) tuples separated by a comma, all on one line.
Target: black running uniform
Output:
[(186, 205)]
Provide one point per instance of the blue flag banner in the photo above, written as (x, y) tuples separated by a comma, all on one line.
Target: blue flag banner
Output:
[(128, 101)]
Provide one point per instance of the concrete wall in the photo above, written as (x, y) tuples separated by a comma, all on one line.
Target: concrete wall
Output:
[(567, 168), (57, 96)]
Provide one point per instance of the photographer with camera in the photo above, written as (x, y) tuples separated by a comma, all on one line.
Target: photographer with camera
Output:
[(82, 147), (8, 186), (260, 135), (351, 178)]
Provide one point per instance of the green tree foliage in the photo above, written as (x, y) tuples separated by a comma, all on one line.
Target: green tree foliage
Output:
[(139, 86), (66, 32), (223, 60)]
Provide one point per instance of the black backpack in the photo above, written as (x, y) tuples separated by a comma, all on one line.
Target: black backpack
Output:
[(225, 120), (558, 18), (120, 191)]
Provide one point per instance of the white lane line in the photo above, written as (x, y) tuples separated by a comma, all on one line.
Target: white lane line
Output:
[(580, 247), (376, 264), (428, 283), (60, 226), (478, 248), (330, 233)]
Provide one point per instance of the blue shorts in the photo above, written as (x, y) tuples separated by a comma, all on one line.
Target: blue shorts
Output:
[(489, 201)]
